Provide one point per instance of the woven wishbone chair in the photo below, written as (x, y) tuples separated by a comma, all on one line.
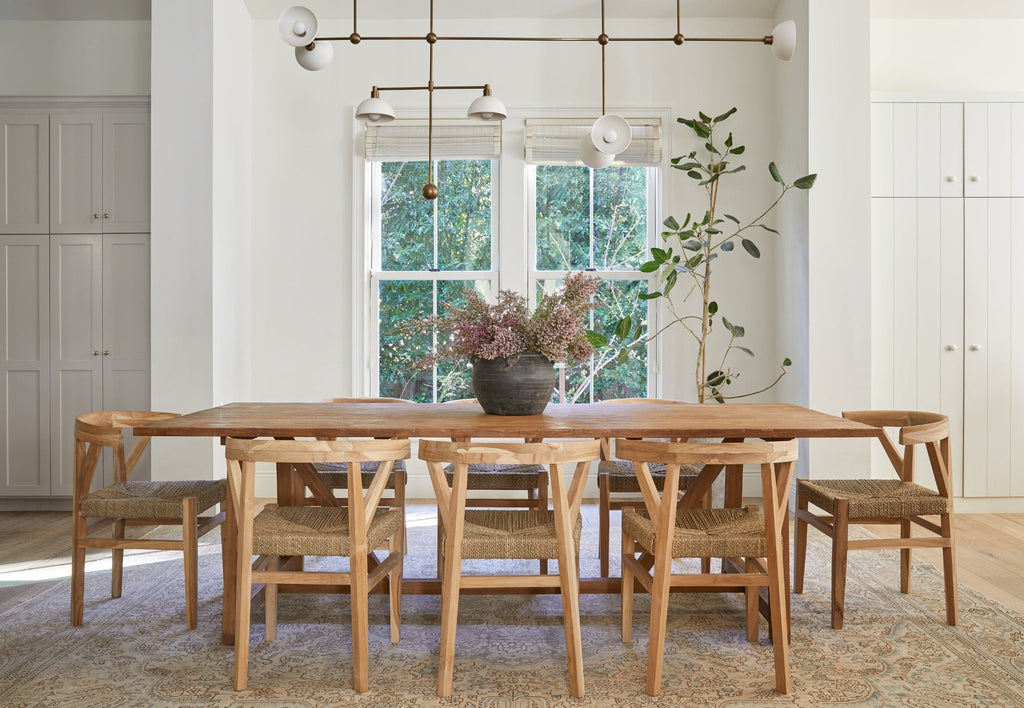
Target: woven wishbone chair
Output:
[(885, 501), (353, 531), (616, 477), (529, 478), (510, 533), (129, 502), (665, 532)]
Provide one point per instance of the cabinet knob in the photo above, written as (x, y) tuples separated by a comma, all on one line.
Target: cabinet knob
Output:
[(106, 352), (96, 352), (975, 347), (106, 215), (951, 347), (975, 178), (95, 216), (951, 178)]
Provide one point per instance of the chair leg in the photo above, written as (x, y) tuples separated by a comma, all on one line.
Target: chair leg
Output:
[(628, 548), (360, 623), (400, 480), (752, 595), (659, 616), (270, 601), (395, 588), (705, 503), (542, 505), (604, 525), (77, 571), (116, 559), (190, 550), (800, 550), (840, 547), (949, 570), (905, 558), (229, 568)]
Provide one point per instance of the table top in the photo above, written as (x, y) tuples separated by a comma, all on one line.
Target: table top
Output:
[(638, 420)]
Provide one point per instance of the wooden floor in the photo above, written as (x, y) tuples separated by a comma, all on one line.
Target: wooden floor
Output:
[(35, 552)]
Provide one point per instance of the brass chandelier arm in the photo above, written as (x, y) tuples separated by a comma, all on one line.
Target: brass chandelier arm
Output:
[(481, 38), (480, 87)]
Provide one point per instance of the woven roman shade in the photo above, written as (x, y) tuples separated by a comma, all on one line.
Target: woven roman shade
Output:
[(556, 142), (406, 140)]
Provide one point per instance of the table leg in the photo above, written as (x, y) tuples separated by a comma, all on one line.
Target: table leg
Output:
[(568, 578), (775, 479)]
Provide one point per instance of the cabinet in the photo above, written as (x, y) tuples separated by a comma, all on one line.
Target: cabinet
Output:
[(74, 285), (947, 314)]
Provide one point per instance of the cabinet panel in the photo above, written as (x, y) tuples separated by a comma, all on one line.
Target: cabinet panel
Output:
[(24, 174), (76, 174), (993, 155), (76, 302), (126, 173), (917, 149), (24, 379)]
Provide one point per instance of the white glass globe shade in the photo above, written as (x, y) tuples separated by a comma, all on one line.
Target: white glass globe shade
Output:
[(784, 40)]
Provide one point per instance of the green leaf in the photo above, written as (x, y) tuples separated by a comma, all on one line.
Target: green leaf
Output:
[(751, 247), (596, 339), (695, 261), (671, 223), (712, 307), (623, 355), (716, 378), (805, 182), (747, 351), (728, 141), (719, 119), (787, 362), (727, 324), (650, 296), (686, 221), (695, 174), (623, 326), (701, 130), (660, 255), (649, 267), (670, 281), (775, 173), (731, 218), (768, 228), (705, 118), (711, 148), (739, 150), (738, 331), (692, 245), (727, 246), (734, 170), (719, 398)]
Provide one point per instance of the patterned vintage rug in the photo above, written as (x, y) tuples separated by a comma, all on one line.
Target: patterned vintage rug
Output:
[(894, 650)]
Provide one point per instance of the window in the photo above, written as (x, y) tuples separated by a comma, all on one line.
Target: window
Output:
[(425, 253)]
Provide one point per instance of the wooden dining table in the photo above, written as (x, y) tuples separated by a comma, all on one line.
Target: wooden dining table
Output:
[(465, 421)]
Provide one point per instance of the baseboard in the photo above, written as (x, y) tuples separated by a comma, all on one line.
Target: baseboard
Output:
[(36, 504)]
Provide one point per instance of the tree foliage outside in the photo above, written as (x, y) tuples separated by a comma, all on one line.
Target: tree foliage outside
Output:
[(593, 220)]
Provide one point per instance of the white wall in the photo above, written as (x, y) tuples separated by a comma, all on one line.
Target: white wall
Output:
[(965, 55), (73, 58)]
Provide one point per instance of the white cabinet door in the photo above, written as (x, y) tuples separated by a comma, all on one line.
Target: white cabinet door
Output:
[(125, 172), (76, 341), (24, 174), (917, 312), (917, 149), (994, 356), (994, 150), (24, 356), (76, 174), (126, 329)]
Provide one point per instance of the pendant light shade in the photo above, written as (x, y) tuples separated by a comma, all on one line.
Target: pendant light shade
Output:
[(591, 156), (487, 107), (297, 26), (375, 110), (784, 40), (611, 134), (315, 56)]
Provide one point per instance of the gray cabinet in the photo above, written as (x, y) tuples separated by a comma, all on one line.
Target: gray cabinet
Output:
[(74, 281)]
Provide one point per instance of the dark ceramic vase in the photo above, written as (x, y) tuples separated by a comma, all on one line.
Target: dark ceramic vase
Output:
[(524, 388)]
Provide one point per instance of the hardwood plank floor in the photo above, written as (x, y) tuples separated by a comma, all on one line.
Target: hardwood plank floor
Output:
[(35, 552)]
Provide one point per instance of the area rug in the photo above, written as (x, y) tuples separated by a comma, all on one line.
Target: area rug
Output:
[(894, 649)]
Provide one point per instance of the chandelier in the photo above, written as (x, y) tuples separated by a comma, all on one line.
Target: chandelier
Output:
[(610, 133)]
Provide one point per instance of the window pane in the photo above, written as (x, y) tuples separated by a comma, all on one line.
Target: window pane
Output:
[(406, 218), (563, 217), (400, 302), (628, 379), (464, 215), (620, 218), (454, 379)]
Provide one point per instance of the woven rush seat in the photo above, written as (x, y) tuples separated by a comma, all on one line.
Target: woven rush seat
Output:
[(316, 530), (701, 533), (622, 478), (335, 476), (507, 476), (152, 500), (512, 533), (872, 498)]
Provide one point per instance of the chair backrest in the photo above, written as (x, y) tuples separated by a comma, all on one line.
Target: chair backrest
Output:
[(295, 451), (754, 452), (915, 428), (487, 453), (98, 429)]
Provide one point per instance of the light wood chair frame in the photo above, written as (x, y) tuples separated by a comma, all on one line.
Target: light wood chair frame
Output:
[(915, 428), (242, 456), (776, 461), (451, 500), (105, 429)]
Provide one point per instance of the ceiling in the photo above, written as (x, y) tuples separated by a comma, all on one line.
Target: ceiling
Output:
[(553, 9)]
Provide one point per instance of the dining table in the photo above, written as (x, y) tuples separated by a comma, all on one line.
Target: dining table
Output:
[(467, 421)]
